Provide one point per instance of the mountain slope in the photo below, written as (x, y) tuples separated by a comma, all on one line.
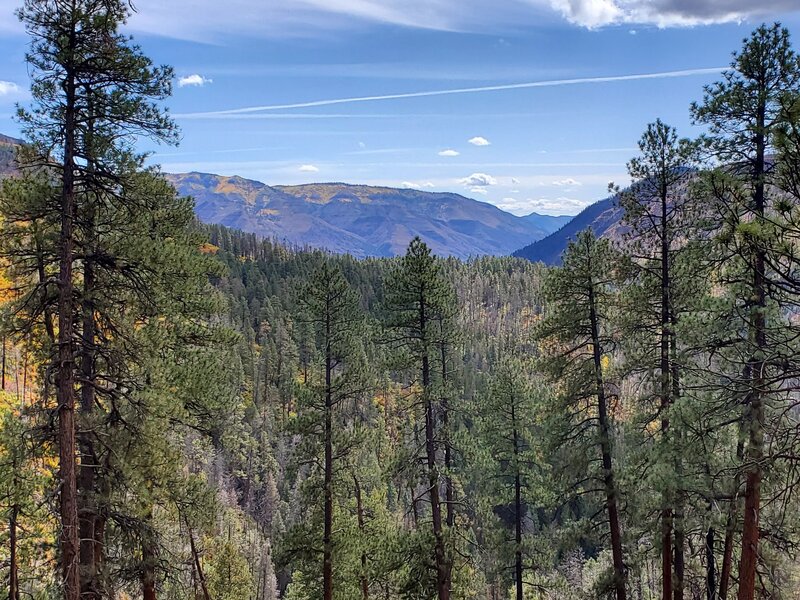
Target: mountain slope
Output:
[(356, 219), (548, 223), (8, 148), (603, 217)]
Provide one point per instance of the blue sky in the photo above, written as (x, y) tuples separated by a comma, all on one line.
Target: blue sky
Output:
[(274, 89)]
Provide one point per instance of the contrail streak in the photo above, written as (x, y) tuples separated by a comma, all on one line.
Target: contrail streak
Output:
[(469, 90)]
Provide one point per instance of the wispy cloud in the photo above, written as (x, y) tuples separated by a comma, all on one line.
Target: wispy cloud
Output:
[(449, 153), (211, 20), (194, 80), (308, 169), (280, 116), (469, 90), (567, 182)]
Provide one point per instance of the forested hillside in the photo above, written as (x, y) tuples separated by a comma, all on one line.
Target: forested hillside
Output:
[(602, 217), (191, 411)]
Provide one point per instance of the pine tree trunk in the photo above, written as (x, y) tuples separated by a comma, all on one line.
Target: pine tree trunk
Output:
[(3, 369), (711, 573), (606, 455), (13, 562), (65, 391), (439, 554), (148, 573), (518, 567), (448, 458), (732, 520), (327, 541), (680, 540), (363, 579), (90, 545), (198, 566), (727, 553), (149, 559), (666, 510), (730, 533), (755, 446)]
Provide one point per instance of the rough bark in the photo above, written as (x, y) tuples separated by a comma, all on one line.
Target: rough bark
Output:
[(606, 452), (711, 573), (440, 555), (91, 545), (65, 375)]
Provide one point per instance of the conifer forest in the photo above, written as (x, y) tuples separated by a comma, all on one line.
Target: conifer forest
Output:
[(191, 412)]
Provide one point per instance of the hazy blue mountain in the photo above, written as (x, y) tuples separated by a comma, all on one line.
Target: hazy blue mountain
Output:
[(548, 223)]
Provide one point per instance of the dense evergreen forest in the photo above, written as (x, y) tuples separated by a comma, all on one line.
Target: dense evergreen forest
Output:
[(188, 411)]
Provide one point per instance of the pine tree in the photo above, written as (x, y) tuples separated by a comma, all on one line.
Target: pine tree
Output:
[(507, 425), (338, 379), (418, 298), (575, 342), (745, 112), (660, 214), (93, 92)]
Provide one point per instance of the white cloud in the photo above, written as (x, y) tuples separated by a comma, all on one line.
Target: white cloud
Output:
[(194, 80), (449, 153), (515, 206), (308, 169), (478, 190), (479, 141), (568, 182), (8, 87), (546, 206), (667, 13), (557, 206), (589, 13), (478, 180), (362, 145), (413, 185)]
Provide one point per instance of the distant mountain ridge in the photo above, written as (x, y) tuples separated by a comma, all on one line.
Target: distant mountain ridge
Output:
[(358, 219), (354, 219), (549, 222), (602, 217)]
